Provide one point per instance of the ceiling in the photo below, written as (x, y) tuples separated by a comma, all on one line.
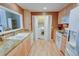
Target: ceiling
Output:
[(43, 7)]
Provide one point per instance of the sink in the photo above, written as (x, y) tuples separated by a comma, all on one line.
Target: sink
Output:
[(19, 36)]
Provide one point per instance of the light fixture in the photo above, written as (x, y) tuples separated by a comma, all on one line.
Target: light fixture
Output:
[(44, 8)]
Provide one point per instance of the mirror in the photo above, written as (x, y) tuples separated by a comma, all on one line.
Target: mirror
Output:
[(9, 20)]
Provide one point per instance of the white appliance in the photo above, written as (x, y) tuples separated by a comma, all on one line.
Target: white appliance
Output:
[(74, 19), (72, 45), (72, 48)]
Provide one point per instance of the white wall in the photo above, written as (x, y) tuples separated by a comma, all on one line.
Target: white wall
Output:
[(35, 27)]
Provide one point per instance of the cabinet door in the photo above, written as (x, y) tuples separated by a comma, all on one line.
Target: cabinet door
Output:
[(16, 51), (58, 42), (22, 49), (3, 18), (28, 43), (63, 44), (26, 46)]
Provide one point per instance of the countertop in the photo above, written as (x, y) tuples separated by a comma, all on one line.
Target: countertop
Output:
[(64, 33), (5, 32), (8, 44)]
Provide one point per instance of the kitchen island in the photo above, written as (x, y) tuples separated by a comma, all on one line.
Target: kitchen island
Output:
[(15, 46)]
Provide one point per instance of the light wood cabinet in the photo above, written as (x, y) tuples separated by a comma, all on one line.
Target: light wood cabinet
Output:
[(16, 51), (26, 46), (22, 49)]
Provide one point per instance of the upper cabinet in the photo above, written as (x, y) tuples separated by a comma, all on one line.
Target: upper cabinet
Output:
[(3, 20), (74, 19), (65, 19), (9, 19)]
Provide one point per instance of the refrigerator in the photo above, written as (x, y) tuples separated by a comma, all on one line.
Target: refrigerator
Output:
[(72, 48), (72, 45)]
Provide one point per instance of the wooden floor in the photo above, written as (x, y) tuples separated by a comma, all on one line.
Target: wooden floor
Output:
[(43, 48)]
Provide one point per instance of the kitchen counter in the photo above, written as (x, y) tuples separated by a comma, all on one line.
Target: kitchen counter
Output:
[(61, 40), (9, 44), (64, 33), (5, 32)]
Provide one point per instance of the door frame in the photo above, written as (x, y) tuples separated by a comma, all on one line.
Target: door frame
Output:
[(50, 18)]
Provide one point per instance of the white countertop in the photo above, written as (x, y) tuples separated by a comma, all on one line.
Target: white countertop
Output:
[(19, 36), (5, 32)]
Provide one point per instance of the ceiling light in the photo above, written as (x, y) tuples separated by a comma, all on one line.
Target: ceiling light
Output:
[(44, 8)]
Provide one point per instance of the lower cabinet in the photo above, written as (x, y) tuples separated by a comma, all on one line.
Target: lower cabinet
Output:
[(22, 49), (58, 40), (61, 41), (16, 51), (63, 45)]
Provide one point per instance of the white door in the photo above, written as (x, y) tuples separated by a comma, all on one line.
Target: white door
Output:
[(35, 27), (47, 27)]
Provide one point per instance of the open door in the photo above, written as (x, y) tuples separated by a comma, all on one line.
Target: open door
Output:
[(47, 27), (35, 27)]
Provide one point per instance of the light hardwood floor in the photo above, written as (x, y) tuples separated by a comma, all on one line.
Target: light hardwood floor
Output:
[(43, 48)]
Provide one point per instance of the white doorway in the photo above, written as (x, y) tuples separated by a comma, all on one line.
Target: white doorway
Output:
[(41, 26)]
